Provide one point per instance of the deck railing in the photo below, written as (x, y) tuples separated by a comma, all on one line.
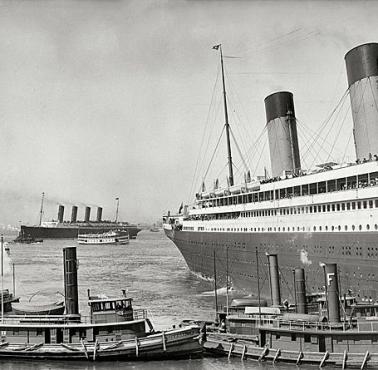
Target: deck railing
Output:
[(358, 326)]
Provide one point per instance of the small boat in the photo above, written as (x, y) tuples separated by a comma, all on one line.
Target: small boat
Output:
[(111, 237), (56, 308), (9, 299)]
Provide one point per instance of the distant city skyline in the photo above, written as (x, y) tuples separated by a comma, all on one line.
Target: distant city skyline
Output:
[(107, 99)]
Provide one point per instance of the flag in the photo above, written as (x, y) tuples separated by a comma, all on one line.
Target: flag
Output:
[(180, 209), (216, 47)]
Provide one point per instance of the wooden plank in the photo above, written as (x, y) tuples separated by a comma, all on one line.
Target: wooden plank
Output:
[(243, 353), (278, 353), (230, 351), (95, 350), (322, 362), (136, 347), (164, 344), (300, 356), (345, 357), (263, 353), (84, 348), (365, 360)]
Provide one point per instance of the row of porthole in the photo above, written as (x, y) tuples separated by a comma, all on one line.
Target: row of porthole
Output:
[(303, 228)]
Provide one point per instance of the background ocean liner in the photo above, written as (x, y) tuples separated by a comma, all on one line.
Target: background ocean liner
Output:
[(61, 229), (306, 217)]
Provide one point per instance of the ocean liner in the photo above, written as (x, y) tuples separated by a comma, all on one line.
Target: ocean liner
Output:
[(62, 229), (308, 217)]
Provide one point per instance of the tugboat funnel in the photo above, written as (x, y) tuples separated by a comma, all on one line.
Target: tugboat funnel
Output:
[(70, 281), (333, 292), (300, 290), (274, 280)]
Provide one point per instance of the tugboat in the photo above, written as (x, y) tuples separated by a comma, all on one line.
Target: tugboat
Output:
[(114, 330), (278, 334)]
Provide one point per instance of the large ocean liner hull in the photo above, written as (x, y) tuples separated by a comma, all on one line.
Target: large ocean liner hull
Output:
[(71, 232), (355, 254)]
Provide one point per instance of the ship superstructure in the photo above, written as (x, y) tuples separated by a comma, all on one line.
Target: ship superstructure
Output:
[(307, 217)]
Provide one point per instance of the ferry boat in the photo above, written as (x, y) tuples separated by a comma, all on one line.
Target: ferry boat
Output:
[(111, 237), (305, 217)]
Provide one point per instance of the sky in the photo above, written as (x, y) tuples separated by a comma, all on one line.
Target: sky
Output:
[(106, 99)]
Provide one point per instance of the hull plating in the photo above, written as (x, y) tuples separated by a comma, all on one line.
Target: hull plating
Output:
[(71, 232), (355, 253)]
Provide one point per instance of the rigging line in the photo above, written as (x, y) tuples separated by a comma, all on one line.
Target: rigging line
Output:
[(305, 144), (337, 136), (329, 130), (275, 39), (204, 133), (260, 157), (254, 147), (294, 39), (372, 93), (239, 151), (346, 146), (237, 99), (324, 124), (211, 160), (210, 136), (311, 132)]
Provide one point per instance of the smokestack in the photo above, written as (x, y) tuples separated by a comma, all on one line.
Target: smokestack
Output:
[(300, 290), (70, 281), (362, 71), (332, 292), (87, 214), (274, 280), (282, 133), (74, 214), (99, 214), (60, 213)]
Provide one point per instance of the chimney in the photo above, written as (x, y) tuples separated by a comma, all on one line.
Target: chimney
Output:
[(362, 71), (274, 280), (332, 292), (87, 214), (60, 214), (70, 281), (282, 133), (74, 214), (300, 290), (99, 214)]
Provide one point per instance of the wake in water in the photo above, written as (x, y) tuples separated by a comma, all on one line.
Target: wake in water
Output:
[(220, 291)]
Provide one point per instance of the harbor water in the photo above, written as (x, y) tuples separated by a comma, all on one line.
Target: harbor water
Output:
[(151, 270)]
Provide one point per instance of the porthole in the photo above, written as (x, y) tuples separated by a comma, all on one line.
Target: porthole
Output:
[(346, 227), (333, 228), (314, 228), (354, 227), (339, 227), (360, 227), (367, 227), (376, 227), (326, 228)]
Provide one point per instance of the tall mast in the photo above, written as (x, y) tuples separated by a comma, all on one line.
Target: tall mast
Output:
[(230, 169), (116, 217), (41, 210)]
